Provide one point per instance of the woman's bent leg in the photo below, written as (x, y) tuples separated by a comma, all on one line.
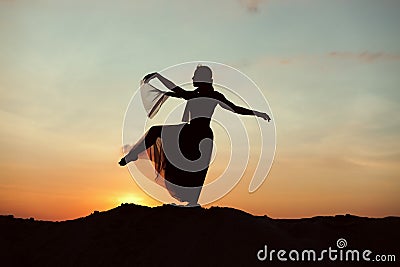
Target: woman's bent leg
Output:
[(145, 142)]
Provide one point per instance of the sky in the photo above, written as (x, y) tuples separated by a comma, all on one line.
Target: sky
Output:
[(329, 70)]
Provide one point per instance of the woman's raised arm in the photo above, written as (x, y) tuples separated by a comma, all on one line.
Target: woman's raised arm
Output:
[(178, 91)]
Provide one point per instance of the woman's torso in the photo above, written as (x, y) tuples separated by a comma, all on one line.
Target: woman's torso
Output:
[(200, 108)]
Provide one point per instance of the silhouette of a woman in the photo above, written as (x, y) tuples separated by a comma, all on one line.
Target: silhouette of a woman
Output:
[(181, 153)]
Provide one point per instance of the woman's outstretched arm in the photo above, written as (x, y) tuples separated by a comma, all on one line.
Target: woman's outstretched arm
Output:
[(178, 91), (226, 104)]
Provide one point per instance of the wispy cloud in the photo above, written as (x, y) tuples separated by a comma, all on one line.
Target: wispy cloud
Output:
[(252, 5), (365, 56), (318, 59)]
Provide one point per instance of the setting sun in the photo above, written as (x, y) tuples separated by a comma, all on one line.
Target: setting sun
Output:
[(131, 198)]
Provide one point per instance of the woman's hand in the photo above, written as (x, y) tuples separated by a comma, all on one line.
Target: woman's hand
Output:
[(263, 115), (149, 77)]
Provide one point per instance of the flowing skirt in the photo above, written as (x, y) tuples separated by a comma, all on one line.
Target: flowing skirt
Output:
[(181, 156)]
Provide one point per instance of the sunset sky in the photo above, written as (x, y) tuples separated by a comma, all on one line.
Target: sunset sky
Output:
[(329, 69)]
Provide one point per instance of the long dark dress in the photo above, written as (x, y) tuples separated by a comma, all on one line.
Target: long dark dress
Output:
[(181, 153)]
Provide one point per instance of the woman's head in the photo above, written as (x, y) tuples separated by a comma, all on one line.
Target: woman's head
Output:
[(202, 76)]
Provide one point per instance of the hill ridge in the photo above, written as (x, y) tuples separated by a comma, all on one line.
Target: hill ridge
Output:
[(134, 235)]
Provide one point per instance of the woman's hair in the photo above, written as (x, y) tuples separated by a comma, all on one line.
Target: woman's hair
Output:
[(203, 74)]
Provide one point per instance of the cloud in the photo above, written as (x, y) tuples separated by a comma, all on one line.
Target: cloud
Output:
[(365, 56), (319, 60), (252, 5)]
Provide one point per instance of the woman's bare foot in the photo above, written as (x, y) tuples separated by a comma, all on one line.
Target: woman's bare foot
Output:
[(128, 158), (192, 205), (122, 162)]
